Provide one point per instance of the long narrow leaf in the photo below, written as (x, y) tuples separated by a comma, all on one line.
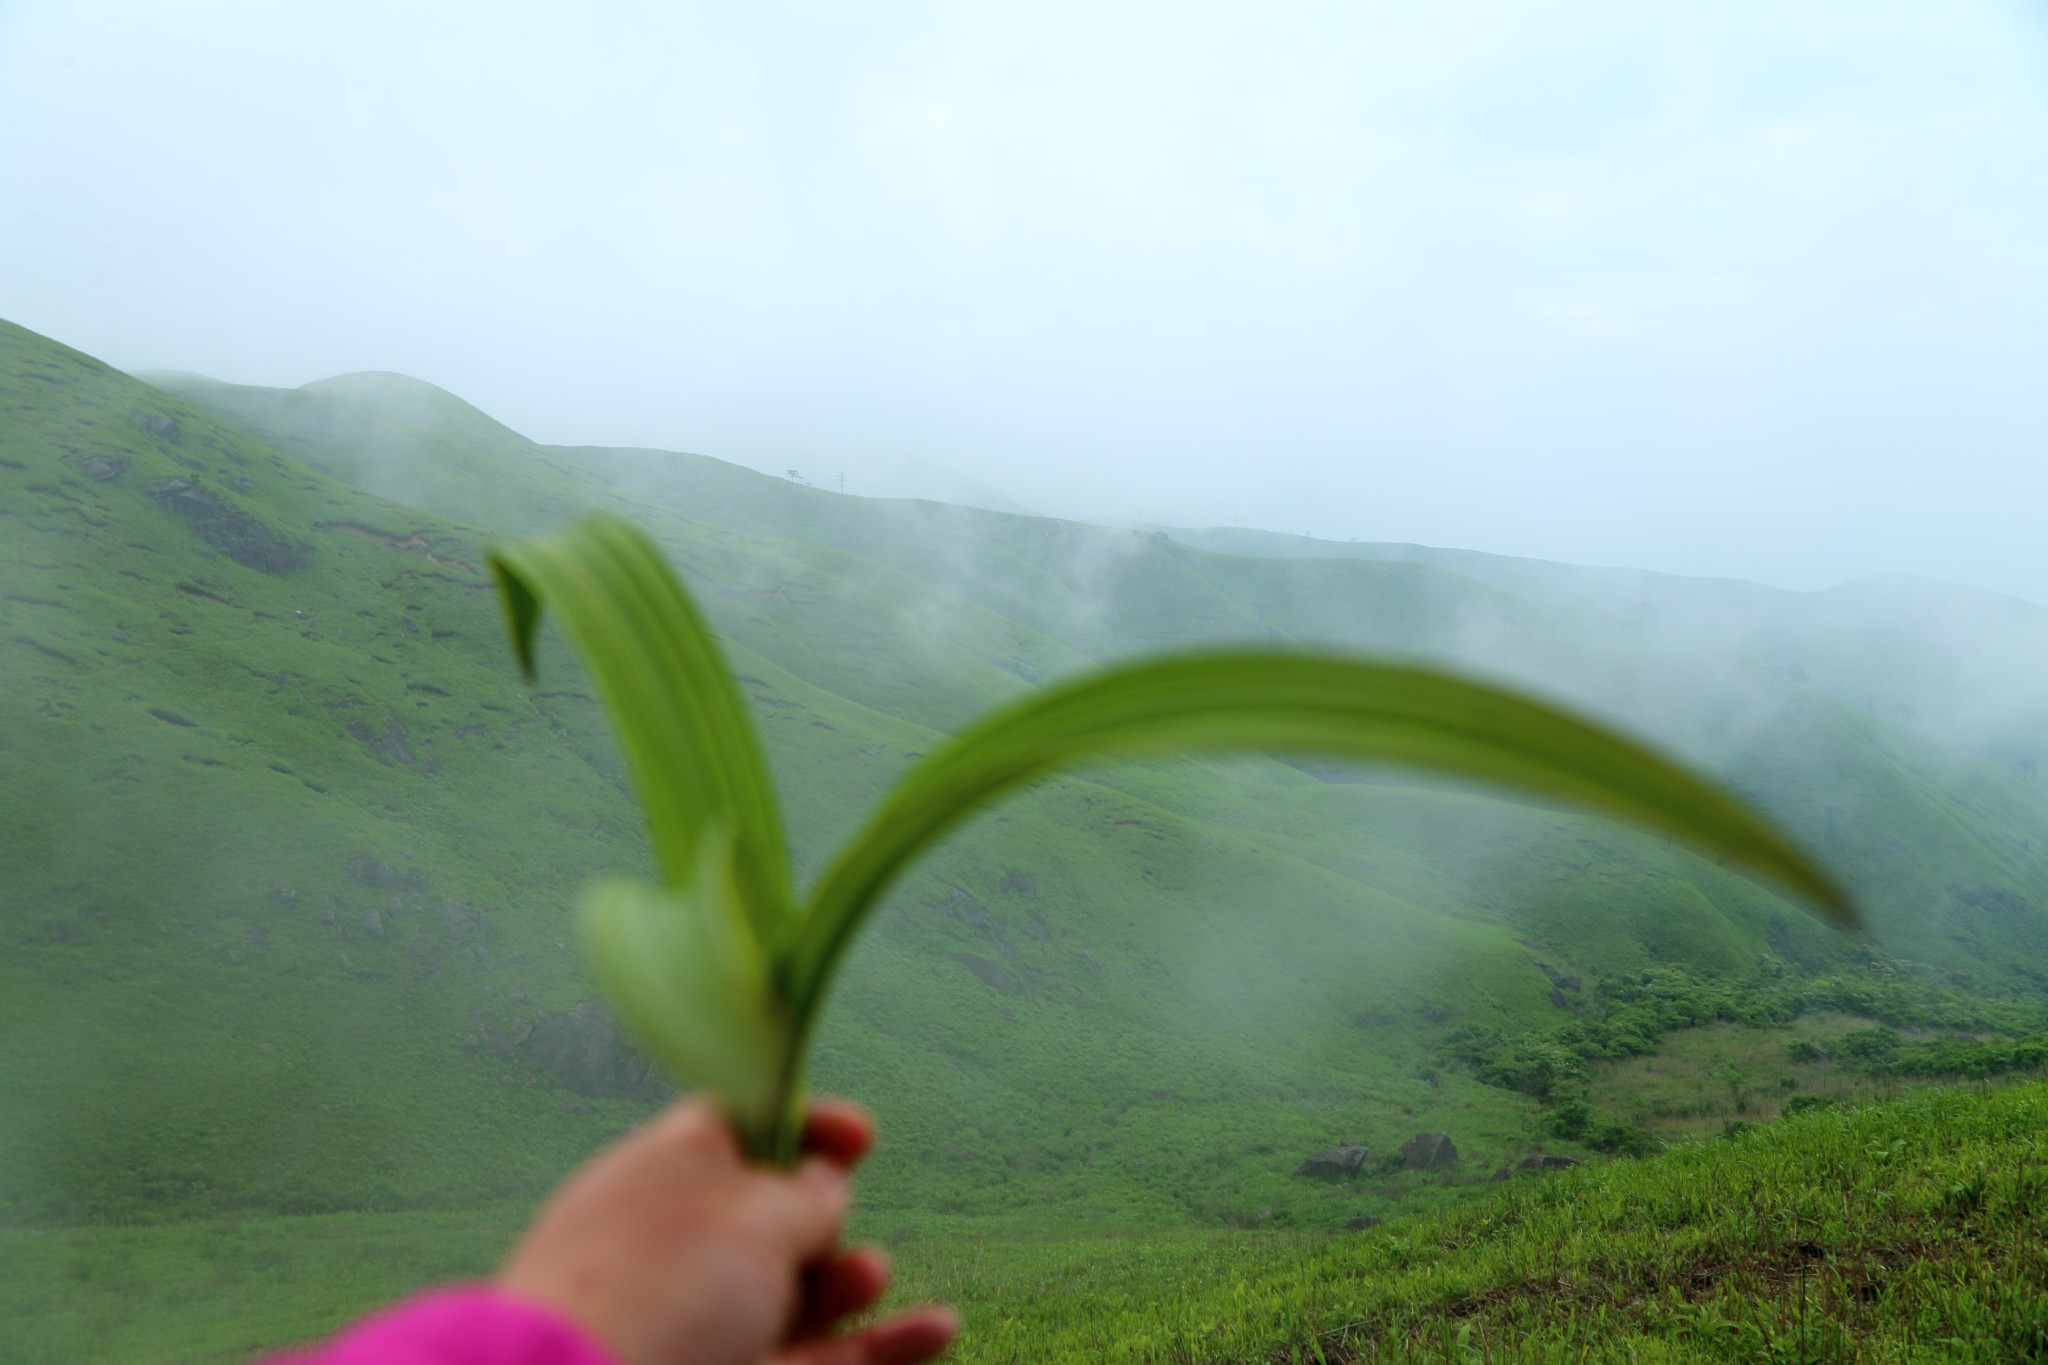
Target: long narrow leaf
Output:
[(1289, 702), (694, 986), (685, 733)]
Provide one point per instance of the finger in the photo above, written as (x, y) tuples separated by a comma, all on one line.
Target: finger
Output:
[(838, 1288), (800, 1212), (907, 1340), (693, 1126), (839, 1131)]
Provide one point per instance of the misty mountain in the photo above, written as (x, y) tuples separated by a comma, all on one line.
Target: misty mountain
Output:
[(1809, 702), (1961, 666), (291, 851)]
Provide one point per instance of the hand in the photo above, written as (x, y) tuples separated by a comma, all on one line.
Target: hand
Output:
[(673, 1250)]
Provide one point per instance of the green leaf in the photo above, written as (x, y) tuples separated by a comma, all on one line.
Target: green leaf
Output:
[(1288, 702), (686, 735), (718, 976), (692, 984)]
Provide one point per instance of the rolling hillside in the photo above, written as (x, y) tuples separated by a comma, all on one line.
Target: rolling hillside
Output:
[(290, 850)]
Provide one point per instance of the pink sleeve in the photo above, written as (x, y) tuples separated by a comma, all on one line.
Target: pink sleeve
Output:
[(467, 1326)]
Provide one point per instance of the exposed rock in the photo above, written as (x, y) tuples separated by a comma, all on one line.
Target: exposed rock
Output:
[(1361, 1223), (391, 744), (459, 919), (102, 468), (1335, 1163), (584, 1052), (994, 975), (164, 428), (1560, 982), (228, 528), (373, 923), (1504, 1173), (1018, 884), (1545, 1162), (382, 875), (1428, 1152)]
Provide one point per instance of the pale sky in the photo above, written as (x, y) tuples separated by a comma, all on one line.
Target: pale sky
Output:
[(1735, 288)]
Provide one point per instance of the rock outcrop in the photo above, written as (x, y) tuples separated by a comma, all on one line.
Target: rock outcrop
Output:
[(583, 1051), (1336, 1163), (1428, 1152), (227, 528)]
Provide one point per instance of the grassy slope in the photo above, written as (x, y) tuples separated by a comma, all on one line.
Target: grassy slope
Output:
[(201, 1013), (1211, 968), (1928, 836), (1908, 1231), (1911, 1231)]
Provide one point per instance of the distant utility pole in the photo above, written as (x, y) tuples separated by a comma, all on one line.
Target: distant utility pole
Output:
[(842, 483)]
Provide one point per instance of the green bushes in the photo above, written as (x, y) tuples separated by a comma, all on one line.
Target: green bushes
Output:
[(1964, 1058), (1873, 1046), (1574, 1120), (1629, 1016)]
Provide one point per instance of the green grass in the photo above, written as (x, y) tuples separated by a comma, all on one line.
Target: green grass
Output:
[(1916, 1230), (1912, 1231)]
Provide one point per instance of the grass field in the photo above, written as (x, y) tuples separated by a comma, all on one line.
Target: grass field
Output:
[(1910, 1231)]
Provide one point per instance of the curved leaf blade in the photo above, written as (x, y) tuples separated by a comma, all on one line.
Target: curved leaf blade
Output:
[(1289, 702), (692, 985), (686, 735)]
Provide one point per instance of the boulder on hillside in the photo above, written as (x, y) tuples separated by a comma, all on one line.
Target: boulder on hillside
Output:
[(1336, 1163), (583, 1050), (102, 468), (1428, 1152), (1361, 1223)]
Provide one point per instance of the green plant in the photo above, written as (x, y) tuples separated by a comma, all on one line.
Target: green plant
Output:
[(721, 971)]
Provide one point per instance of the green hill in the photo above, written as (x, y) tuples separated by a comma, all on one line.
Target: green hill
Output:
[(290, 850), (1925, 828)]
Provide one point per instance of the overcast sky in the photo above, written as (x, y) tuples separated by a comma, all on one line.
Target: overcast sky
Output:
[(1750, 289)]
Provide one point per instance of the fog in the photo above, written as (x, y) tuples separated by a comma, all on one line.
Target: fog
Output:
[(1723, 289)]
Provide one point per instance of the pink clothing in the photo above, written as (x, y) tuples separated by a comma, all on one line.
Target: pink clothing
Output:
[(473, 1325)]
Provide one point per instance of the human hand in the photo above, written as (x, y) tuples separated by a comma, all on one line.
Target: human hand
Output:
[(673, 1250)]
